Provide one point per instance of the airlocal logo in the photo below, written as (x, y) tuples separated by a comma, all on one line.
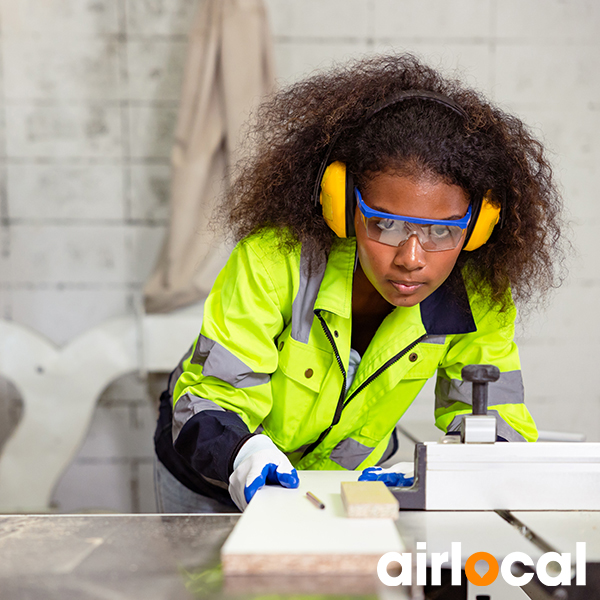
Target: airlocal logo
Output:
[(562, 577)]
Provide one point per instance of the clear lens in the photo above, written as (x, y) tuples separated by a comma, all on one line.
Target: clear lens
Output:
[(394, 232)]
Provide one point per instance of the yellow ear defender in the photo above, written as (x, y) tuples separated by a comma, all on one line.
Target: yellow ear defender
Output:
[(338, 207), (334, 189), (484, 222)]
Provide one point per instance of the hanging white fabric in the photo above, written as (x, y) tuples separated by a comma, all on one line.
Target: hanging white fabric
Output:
[(229, 69)]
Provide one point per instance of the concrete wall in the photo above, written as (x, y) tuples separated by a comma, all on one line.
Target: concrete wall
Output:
[(88, 100)]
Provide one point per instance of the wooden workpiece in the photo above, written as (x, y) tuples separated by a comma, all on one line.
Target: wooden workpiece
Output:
[(369, 500), (283, 532)]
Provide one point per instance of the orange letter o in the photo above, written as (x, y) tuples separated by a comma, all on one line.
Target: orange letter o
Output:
[(472, 574)]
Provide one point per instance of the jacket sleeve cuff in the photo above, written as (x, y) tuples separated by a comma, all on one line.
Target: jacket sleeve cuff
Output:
[(210, 440)]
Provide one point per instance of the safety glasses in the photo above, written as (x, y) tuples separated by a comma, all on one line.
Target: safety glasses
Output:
[(394, 230)]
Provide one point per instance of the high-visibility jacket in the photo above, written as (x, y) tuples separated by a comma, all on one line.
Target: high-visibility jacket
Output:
[(273, 353)]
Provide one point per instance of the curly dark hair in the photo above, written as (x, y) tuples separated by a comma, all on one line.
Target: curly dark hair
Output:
[(419, 138)]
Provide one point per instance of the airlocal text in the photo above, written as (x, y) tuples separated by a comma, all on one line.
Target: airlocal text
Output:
[(561, 576)]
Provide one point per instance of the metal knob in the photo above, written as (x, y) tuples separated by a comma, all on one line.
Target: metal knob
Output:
[(480, 376)]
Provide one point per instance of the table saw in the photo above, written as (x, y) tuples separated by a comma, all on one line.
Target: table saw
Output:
[(489, 496), (472, 493)]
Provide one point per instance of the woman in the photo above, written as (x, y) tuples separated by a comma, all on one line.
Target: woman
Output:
[(384, 224)]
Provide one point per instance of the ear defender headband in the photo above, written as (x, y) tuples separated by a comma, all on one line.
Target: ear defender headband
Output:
[(334, 188)]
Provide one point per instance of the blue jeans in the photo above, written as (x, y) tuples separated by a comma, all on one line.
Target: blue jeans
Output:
[(174, 497)]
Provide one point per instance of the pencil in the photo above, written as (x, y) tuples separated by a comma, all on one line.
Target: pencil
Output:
[(315, 500)]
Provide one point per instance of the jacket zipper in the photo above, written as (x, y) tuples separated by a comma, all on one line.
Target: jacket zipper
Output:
[(383, 367), (342, 401)]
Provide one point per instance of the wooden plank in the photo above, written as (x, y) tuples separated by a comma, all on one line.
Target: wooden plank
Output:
[(282, 532), (369, 500)]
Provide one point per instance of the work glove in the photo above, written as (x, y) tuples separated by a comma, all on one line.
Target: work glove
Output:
[(257, 463), (392, 476)]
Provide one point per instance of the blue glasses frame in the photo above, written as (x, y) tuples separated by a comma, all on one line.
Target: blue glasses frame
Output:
[(370, 212)]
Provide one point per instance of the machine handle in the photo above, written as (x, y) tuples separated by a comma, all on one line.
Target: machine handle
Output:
[(480, 376)]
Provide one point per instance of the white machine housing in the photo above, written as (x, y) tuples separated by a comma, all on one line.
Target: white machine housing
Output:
[(509, 476)]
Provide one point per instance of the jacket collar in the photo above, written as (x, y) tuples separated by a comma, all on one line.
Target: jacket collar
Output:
[(447, 310), (335, 293)]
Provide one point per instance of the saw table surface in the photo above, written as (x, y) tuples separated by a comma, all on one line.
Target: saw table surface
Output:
[(93, 557), (159, 557)]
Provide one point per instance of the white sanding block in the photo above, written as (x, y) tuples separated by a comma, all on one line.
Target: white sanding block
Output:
[(369, 500)]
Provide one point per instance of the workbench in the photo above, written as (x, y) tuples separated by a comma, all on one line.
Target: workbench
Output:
[(93, 557)]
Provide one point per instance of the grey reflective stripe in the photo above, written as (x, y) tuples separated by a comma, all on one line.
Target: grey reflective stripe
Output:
[(216, 482), (349, 453), (507, 390), (177, 372), (435, 339), (503, 429), (389, 451), (218, 362), (175, 377), (304, 302), (506, 431), (186, 407)]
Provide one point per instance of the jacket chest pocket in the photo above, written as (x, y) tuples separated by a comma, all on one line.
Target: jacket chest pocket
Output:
[(297, 385), (304, 365), (424, 360), (394, 396)]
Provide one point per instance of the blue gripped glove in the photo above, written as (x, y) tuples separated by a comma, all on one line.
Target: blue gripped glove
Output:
[(257, 463), (391, 476)]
